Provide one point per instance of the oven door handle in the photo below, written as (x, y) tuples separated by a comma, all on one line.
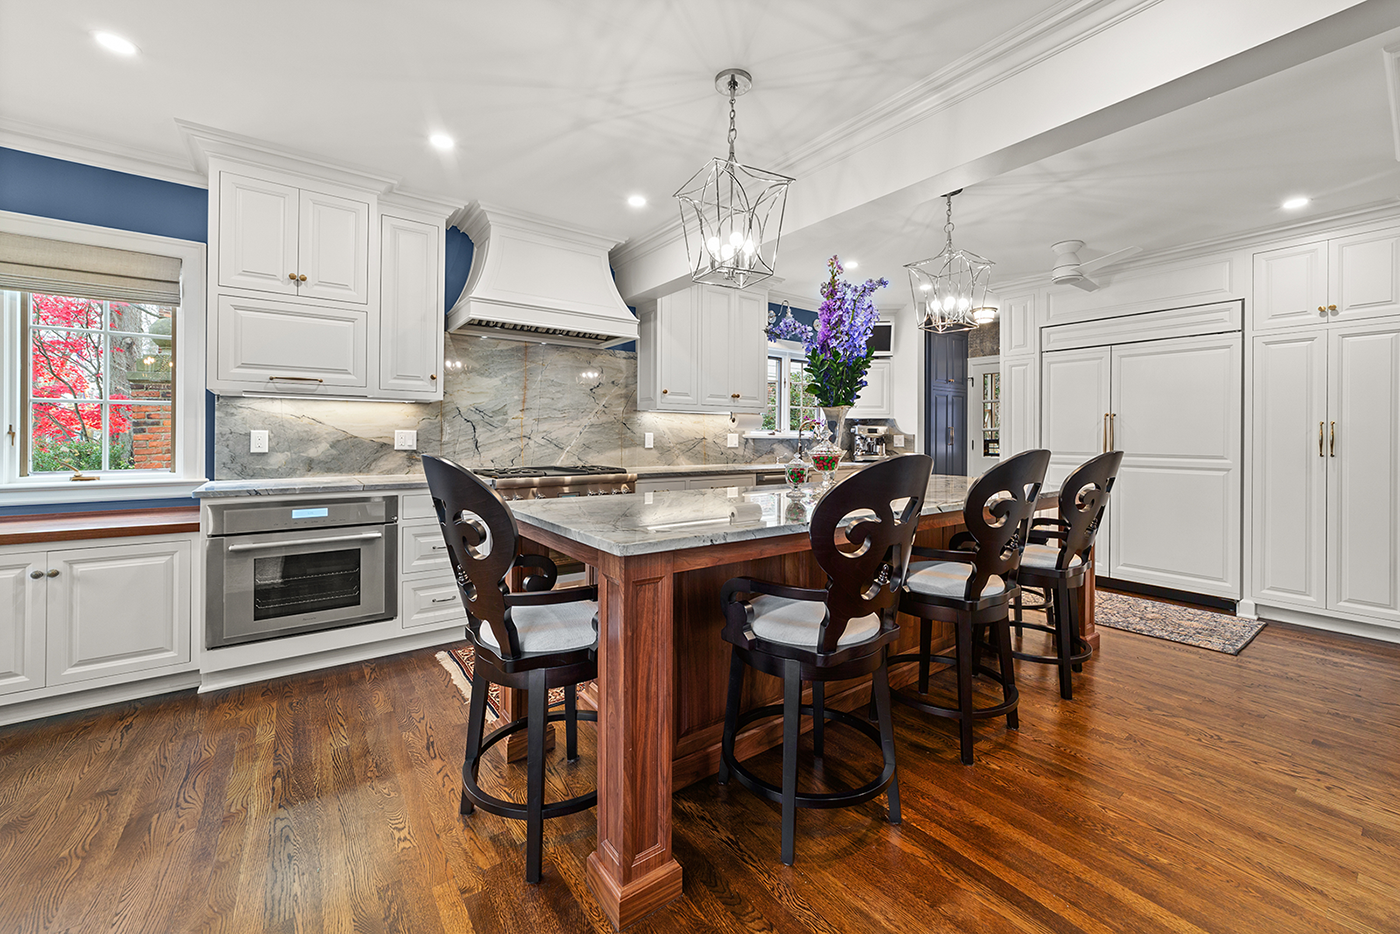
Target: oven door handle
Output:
[(261, 546)]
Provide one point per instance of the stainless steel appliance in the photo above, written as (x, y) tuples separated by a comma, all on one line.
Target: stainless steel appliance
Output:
[(552, 482), (288, 567), (868, 442)]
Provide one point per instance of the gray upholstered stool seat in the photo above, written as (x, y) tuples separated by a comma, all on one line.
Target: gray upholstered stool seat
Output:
[(559, 627), (948, 579), (1044, 556), (798, 622)]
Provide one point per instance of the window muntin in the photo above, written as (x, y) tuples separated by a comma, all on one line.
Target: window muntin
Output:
[(98, 390), (791, 407)]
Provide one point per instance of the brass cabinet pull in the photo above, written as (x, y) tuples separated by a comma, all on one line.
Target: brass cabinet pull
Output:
[(1113, 431), (1332, 441), (293, 277), (1322, 311), (53, 573), (1105, 432), (37, 575), (733, 395), (301, 278), (1332, 308), (1321, 426), (299, 379)]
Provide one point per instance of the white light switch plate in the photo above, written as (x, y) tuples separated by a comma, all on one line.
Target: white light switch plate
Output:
[(257, 441), (648, 440), (405, 440), (733, 440), (899, 441)]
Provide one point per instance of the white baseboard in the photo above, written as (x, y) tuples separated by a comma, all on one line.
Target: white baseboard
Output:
[(281, 668), (1376, 631), (96, 697)]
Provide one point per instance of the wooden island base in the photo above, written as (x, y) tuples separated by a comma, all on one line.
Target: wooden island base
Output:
[(662, 680)]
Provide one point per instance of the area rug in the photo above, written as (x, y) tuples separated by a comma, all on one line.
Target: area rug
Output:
[(460, 662), (1187, 625)]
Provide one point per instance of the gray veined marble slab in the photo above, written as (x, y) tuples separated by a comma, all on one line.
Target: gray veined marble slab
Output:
[(293, 486), (647, 523)]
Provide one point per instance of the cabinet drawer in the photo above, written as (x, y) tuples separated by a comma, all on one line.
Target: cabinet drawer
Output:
[(428, 601), (280, 347), (421, 548), (418, 506)]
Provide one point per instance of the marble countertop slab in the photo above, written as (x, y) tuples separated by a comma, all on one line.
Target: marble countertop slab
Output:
[(647, 523), (291, 486), (715, 470)]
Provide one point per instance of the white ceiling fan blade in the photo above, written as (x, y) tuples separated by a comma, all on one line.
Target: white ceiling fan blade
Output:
[(1109, 259), (1088, 285)]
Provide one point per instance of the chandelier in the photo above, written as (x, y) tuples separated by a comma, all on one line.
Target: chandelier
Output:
[(732, 214), (950, 289)]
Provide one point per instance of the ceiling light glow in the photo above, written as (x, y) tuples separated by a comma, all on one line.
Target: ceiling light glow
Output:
[(115, 43), (637, 201), (852, 264), (442, 141), (1293, 204)]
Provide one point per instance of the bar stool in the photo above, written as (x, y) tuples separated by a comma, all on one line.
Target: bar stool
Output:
[(532, 641), (973, 589), (1061, 569), (861, 533)]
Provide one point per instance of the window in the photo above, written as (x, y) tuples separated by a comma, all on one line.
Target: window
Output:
[(791, 406), (101, 363)]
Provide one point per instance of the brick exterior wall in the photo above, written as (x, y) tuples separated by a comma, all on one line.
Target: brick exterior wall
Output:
[(152, 440)]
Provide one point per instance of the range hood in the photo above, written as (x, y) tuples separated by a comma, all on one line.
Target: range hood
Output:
[(534, 279)]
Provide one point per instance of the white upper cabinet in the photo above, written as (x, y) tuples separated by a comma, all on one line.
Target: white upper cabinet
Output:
[(410, 309), (1018, 331), (287, 348), (703, 350), (876, 399), (1343, 279), (292, 241)]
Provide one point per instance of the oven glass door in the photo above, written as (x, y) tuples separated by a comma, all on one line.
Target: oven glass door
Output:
[(282, 583)]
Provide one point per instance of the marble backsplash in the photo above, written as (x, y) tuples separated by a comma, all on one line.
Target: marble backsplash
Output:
[(509, 404)]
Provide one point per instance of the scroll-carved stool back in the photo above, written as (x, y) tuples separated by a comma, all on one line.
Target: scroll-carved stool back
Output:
[(1083, 500), (998, 513)]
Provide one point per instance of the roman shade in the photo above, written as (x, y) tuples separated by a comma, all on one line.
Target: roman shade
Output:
[(55, 267)]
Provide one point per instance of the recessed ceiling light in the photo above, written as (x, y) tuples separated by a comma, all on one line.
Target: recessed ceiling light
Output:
[(852, 264), (637, 201), (114, 43), (1293, 204), (442, 141)]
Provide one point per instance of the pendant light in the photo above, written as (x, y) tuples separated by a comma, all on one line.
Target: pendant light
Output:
[(950, 289), (731, 213)]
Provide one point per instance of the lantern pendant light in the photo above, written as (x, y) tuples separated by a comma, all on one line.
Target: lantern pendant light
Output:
[(950, 289), (731, 213)]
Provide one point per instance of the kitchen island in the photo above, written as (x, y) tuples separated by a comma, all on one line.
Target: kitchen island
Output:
[(660, 560)]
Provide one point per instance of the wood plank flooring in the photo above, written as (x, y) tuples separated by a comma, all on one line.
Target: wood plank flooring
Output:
[(1181, 791)]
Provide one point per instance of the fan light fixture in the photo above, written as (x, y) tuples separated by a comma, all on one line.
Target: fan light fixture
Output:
[(950, 289), (731, 213)]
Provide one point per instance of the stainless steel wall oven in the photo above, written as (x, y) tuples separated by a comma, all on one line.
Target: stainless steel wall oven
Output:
[(278, 569)]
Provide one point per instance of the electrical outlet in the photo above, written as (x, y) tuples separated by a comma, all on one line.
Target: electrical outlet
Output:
[(257, 441), (733, 440), (648, 440), (405, 440), (648, 498), (899, 441)]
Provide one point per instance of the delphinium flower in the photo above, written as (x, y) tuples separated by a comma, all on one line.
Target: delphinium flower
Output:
[(838, 347)]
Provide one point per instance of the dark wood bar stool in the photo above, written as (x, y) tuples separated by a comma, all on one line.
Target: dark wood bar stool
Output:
[(530, 641), (1061, 568), (861, 533), (973, 589)]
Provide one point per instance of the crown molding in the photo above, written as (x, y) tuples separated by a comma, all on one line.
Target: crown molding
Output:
[(477, 218), (1376, 213), (88, 150), (422, 202), (205, 141)]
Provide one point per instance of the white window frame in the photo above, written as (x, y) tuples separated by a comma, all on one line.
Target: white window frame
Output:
[(189, 468), (787, 352)]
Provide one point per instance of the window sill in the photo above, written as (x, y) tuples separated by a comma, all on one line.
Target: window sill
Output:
[(107, 489), (777, 435)]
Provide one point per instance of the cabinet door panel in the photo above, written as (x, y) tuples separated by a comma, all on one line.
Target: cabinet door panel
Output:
[(677, 331), (874, 400), (257, 234), (748, 359), (1020, 414), (282, 347), (716, 322), (1363, 508), (410, 309), (1074, 399), (22, 615), (1175, 518), (1290, 469), (333, 248), (1366, 275), (118, 609), (1290, 285), (1018, 331)]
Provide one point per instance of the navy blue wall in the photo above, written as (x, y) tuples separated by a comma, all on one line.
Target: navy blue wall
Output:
[(802, 315), (459, 263), (85, 194)]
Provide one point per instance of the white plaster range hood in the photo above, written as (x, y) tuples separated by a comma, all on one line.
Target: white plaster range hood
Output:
[(534, 279)]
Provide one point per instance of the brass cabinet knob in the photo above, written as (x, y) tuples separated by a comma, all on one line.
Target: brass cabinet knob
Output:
[(664, 391), (1332, 308), (37, 575), (733, 395), (53, 573), (1322, 311), (433, 376), (293, 277), (301, 278)]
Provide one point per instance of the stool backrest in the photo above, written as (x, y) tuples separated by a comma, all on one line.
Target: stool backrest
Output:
[(998, 512), (1083, 499), (861, 533), (482, 539)]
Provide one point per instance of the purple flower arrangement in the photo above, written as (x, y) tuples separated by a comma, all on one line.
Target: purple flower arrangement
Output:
[(838, 348)]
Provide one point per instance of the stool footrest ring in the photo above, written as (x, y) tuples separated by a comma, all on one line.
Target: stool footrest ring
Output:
[(513, 809)]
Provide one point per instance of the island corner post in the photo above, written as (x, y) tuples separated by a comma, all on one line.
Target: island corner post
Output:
[(659, 723)]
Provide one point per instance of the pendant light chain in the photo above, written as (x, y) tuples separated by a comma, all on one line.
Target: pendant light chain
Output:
[(733, 133), (948, 227)]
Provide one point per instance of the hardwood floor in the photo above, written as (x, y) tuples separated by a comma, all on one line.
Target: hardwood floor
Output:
[(1181, 790)]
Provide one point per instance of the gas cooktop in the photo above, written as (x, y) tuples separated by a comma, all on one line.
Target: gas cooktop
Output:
[(520, 473)]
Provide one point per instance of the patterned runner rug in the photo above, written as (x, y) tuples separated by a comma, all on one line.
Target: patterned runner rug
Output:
[(460, 661), (1187, 625)]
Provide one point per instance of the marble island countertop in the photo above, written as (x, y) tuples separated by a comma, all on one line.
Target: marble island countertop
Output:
[(647, 523)]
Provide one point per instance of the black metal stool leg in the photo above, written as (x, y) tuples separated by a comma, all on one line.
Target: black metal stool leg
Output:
[(1064, 640), (1016, 602), (476, 723), (925, 649), (534, 798), (731, 715), (1007, 664), (880, 688), (964, 653), (571, 722), (1077, 606), (818, 717), (792, 727)]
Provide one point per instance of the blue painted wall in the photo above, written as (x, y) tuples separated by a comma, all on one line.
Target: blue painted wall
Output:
[(85, 194), (459, 263), (802, 315)]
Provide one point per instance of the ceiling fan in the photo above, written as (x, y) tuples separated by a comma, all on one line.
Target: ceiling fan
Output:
[(1070, 271)]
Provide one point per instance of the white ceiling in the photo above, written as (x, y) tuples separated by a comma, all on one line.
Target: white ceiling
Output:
[(1224, 166)]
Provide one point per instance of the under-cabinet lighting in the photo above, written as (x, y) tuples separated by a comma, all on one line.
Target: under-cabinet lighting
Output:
[(115, 43)]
